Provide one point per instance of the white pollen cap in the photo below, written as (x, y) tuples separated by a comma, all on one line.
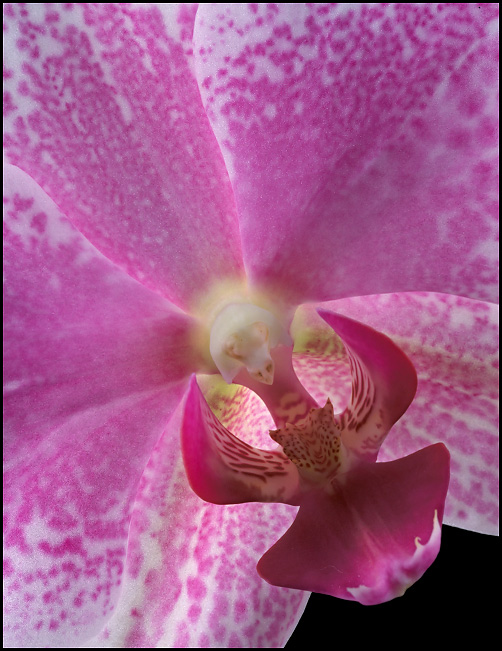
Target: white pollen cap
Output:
[(243, 335)]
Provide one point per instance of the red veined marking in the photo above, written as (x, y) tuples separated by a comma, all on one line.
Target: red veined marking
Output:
[(241, 457)]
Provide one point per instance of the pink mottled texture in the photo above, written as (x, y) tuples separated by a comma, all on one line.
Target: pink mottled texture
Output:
[(363, 135), (106, 117), (99, 364), (157, 154), (190, 577), (96, 361)]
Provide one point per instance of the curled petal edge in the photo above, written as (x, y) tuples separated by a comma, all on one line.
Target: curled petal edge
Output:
[(384, 383)]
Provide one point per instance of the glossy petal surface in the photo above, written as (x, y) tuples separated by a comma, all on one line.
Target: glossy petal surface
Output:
[(190, 579), (453, 343), (93, 365), (103, 111), (360, 141), (373, 537)]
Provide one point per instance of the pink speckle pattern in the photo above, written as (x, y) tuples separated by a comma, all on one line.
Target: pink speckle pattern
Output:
[(99, 363), (190, 574), (104, 113), (361, 142)]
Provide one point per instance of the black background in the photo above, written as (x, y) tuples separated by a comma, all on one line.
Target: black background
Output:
[(457, 600)]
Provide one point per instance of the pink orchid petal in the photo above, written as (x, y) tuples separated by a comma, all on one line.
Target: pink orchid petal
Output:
[(222, 468), (191, 580), (104, 113), (94, 363), (453, 343), (360, 141), (384, 383), (372, 538)]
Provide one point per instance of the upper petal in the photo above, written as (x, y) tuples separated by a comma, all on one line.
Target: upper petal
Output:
[(360, 141), (103, 110), (93, 365)]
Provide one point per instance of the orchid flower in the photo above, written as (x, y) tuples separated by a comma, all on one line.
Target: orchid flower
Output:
[(189, 193)]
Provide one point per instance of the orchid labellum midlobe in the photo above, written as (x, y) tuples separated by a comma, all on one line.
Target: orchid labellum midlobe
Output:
[(250, 257)]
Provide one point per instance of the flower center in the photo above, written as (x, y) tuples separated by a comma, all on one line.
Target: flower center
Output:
[(314, 444), (242, 335)]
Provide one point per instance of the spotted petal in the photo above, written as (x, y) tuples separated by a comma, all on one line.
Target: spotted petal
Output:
[(190, 575), (372, 537), (94, 363), (361, 142), (103, 111)]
